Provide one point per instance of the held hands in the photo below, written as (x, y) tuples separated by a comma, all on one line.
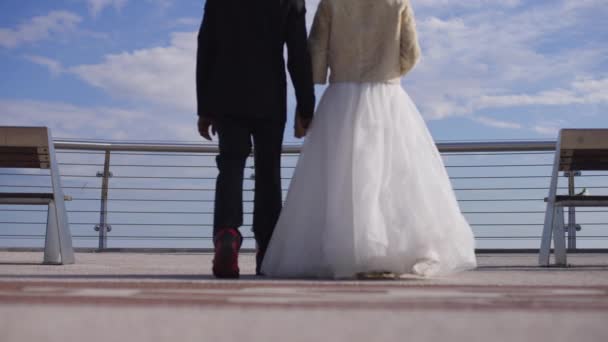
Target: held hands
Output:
[(204, 124), (203, 128), (301, 126)]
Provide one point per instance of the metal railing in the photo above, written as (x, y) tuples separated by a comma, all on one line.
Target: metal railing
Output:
[(141, 195)]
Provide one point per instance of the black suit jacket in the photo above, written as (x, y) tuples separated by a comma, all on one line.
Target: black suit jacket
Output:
[(240, 61)]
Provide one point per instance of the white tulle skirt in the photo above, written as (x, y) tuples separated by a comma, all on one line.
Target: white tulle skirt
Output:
[(370, 193)]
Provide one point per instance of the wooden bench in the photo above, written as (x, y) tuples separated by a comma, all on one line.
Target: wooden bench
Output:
[(32, 147), (576, 150)]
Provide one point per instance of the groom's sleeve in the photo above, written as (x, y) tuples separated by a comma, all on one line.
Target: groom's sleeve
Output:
[(299, 64), (205, 58)]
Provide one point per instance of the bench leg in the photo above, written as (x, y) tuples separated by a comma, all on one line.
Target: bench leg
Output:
[(55, 250), (59, 237), (52, 252), (545, 241), (559, 239)]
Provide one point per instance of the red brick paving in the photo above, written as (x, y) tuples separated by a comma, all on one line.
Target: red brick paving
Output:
[(306, 295)]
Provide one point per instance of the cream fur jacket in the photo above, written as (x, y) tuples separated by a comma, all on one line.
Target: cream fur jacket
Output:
[(363, 40)]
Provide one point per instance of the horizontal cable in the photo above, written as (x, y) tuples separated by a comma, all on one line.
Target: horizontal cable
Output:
[(161, 154), (165, 177), (472, 154), (578, 211), (123, 224), (152, 154), (503, 200), (293, 167), (283, 178), (44, 210), (247, 190), (520, 177), (528, 224), (146, 200), (139, 165), (505, 224), (112, 188), (499, 177), (205, 201), (118, 237), (210, 225), (213, 166), (209, 154), (167, 212), (130, 237), (251, 201), (504, 212), (498, 165), (578, 237), (527, 188), (213, 178), (122, 212), (529, 212)]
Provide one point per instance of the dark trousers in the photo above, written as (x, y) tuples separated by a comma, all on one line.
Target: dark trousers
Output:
[(235, 142)]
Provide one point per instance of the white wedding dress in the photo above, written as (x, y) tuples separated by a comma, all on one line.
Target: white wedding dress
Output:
[(370, 193)]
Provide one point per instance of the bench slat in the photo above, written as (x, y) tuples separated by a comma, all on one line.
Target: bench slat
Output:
[(26, 198), (589, 160), (24, 157), (45, 195), (581, 201)]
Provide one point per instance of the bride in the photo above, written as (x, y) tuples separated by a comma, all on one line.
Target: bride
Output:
[(370, 192)]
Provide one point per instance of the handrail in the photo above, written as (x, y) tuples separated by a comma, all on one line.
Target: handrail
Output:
[(461, 147)]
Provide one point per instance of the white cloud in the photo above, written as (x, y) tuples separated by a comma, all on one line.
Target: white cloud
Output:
[(67, 120), (39, 28), (596, 91), (52, 65), (587, 91), (549, 128), (163, 4), (70, 121), (491, 54), (160, 75), (97, 6), (488, 121), (188, 21), (477, 60), (468, 3)]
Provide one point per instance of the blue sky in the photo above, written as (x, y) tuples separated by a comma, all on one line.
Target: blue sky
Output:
[(124, 69)]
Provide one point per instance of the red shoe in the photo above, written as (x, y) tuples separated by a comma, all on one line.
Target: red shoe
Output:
[(226, 261)]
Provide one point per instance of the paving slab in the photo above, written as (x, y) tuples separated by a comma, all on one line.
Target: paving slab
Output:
[(157, 297)]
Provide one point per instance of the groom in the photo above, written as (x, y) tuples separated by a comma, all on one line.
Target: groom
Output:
[(241, 92)]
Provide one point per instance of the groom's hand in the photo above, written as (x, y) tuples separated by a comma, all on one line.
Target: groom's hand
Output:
[(301, 126), (203, 127)]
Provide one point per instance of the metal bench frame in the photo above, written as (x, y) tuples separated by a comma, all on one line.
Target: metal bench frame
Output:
[(32, 147), (576, 150)]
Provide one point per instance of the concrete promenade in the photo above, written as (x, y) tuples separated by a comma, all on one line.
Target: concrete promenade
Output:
[(173, 297)]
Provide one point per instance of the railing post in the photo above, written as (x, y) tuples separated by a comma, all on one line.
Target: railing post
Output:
[(103, 228), (572, 211)]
